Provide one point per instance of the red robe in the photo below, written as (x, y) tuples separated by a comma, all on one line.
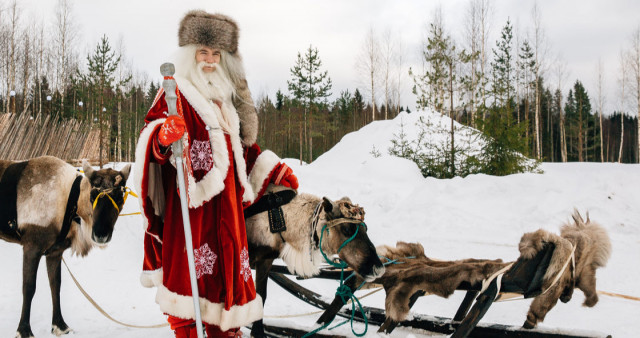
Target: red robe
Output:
[(222, 176)]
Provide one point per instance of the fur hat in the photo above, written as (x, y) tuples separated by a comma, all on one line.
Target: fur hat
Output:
[(211, 30), (220, 31)]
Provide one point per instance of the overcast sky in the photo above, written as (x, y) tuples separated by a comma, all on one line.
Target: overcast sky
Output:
[(274, 31)]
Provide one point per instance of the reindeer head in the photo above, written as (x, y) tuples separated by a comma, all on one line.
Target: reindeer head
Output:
[(107, 198), (343, 221)]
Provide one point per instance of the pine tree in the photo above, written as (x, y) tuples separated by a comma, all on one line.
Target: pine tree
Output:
[(310, 86), (527, 64), (502, 68), (430, 86), (102, 66)]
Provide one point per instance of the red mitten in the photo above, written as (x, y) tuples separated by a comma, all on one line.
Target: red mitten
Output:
[(172, 130), (283, 175)]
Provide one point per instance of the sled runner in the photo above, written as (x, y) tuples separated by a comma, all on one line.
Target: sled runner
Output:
[(523, 278)]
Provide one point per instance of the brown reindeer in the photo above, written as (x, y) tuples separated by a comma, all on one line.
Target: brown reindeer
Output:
[(591, 248), (309, 219), (41, 188)]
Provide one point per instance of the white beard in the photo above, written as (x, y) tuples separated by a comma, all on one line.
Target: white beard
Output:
[(215, 86)]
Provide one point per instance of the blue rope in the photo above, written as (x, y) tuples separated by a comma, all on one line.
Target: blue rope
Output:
[(343, 291)]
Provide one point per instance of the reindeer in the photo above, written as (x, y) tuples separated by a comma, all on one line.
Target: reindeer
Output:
[(582, 247), (41, 188), (308, 220)]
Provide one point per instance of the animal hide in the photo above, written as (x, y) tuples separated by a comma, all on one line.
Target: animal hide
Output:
[(421, 273)]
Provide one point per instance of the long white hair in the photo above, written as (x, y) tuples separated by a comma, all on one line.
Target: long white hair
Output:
[(219, 84)]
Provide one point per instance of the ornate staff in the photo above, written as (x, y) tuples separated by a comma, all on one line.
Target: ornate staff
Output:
[(169, 84)]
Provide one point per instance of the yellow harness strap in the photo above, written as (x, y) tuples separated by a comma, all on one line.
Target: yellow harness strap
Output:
[(105, 193)]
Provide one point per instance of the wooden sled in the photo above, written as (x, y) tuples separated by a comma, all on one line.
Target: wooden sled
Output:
[(522, 279)]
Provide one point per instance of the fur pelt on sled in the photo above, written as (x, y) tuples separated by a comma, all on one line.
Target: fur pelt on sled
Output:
[(592, 250), (420, 273)]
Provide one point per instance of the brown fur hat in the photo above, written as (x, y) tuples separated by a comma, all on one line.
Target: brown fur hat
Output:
[(212, 30), (220, 31)]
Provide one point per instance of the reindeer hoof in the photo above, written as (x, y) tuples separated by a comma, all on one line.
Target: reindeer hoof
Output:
[(24, 334), (590, 301), (58, 331), (528, 325)]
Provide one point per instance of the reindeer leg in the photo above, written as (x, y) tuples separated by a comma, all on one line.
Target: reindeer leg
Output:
[(58, 326), (30, 261), (587, 284), (262, 277), (541, 305)]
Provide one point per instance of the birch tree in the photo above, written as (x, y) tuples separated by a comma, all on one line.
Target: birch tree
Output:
[(601, 98), (476, 27), (387, 54), (561, 75), (634, 63), (64, 39), (485, 11), (622, 83), (539, 45), (368, 65), (11, 46), (400, 72)]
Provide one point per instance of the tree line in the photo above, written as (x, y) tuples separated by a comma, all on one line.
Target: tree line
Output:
[(506, 92), (511, 92), (44, 74)]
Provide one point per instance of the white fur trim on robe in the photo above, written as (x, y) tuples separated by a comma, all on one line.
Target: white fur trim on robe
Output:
[(212, 313), (212, 183), (259, 176), (151, 278), (141, 158)]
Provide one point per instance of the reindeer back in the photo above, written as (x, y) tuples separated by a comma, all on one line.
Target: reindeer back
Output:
[(593, 246)]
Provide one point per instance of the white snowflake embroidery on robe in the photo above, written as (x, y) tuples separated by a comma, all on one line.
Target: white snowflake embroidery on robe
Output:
[(204, 260), (201, 155), (245, 269)]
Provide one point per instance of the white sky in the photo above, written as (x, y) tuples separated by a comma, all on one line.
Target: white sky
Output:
[(273, 32)]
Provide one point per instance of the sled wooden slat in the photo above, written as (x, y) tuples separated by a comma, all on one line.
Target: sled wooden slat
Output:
[(466, 305)]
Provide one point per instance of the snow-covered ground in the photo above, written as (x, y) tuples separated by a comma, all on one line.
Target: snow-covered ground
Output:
[(478, 216)]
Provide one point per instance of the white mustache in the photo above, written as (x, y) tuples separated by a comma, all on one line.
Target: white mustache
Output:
[(203, 64)]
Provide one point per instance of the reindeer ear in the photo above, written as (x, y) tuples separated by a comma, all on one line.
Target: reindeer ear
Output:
[(88, 171), (327, 205), (587, 217), (125, 172)]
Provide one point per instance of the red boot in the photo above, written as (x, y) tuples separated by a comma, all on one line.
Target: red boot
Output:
[(214, 331), (188, 331)]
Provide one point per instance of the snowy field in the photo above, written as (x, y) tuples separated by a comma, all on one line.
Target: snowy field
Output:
[(478, 216)]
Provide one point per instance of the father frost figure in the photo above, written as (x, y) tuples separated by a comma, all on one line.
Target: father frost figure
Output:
[(226, 171)]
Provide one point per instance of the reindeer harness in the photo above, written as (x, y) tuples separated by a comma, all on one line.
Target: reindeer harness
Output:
[(8, 199), (272, 202)]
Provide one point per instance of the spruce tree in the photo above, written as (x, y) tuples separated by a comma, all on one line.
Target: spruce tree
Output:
[(504, 142), (582, 135), (310, 86)]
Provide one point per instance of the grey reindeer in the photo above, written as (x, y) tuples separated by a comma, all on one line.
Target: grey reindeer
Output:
[(38, 209), (299, 245)]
